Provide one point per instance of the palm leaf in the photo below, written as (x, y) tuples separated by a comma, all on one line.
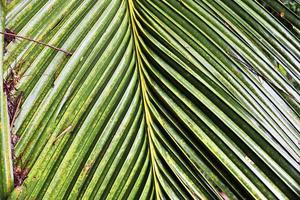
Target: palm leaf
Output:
[(6, 170), (160, 99)]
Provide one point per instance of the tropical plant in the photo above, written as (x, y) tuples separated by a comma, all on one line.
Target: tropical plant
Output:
[(166, 99)]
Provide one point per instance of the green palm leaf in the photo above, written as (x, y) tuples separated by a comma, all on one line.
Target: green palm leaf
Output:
[(6, 170), (161, 99)]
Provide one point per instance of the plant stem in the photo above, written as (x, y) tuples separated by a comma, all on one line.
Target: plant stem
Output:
[(36, 41)]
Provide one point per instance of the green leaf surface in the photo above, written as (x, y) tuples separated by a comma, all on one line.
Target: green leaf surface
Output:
[(6, 163), (179, 99)]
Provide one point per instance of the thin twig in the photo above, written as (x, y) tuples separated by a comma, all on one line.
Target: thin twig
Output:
[(249, 67), (62, 134), (255, 72), (36, 41)]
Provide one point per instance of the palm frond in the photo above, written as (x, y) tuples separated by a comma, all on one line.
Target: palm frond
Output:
[(6, 163), (174, 99)]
